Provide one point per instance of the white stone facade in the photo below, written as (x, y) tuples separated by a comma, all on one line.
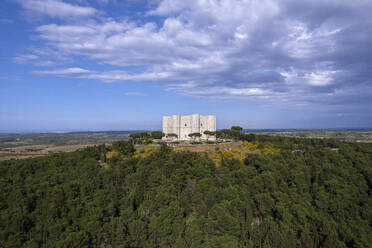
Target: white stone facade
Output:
[(183, 125)]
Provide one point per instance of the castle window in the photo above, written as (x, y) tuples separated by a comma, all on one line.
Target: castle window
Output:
[(201, 124), (185, 125)]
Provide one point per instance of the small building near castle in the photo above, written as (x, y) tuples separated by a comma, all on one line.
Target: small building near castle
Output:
[(183, 125)]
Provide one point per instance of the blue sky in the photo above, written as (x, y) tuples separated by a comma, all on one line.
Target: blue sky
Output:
[(68, 65)]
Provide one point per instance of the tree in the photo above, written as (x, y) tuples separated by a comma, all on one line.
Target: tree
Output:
[(223, 134), (306, 196), (236, 129), (194, 135), (139, 137), (172, 135), (148, 141), (124, 147), (157, 134), (209, 133), (236, 132)]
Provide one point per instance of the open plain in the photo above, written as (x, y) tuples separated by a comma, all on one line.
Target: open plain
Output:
[(16, 146)]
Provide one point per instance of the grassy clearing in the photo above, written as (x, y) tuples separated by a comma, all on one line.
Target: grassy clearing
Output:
[(237, 150)]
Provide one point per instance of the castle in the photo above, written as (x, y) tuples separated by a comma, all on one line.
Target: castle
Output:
[(183, 125)]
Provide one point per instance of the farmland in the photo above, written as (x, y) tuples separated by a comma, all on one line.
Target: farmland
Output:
[(351, 135), (41, 144)]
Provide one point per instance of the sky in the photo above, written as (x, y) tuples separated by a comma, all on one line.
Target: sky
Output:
[(86, 65)]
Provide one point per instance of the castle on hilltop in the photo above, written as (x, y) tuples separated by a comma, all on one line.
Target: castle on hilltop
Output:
[(183, 125)]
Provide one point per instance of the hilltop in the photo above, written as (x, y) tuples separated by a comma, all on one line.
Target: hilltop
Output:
[(303, 193), (24, 145)]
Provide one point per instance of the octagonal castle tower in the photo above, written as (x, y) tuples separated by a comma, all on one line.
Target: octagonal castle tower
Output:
[(183, 125)]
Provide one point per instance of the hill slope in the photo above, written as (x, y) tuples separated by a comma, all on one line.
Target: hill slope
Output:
[(308, 195)]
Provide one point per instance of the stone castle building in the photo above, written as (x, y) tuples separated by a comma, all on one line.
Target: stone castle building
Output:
[(183, 125)]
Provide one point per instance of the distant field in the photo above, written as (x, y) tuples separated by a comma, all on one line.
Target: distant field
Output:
[(40, 144), (358, 135), (27, 151)]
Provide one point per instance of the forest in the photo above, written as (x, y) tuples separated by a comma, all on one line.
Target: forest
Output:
[(311, 193)]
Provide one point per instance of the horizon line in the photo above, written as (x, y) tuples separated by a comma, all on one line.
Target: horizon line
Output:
[(150, 130)]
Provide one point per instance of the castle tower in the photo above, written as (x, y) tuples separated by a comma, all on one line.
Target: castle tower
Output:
[(186, 124)]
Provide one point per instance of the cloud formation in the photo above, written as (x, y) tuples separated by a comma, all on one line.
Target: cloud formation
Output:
[(63, 72), (134, 93), (296, 52), (24, 58), (56, 8)]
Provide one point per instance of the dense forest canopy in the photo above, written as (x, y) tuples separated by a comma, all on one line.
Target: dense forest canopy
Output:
[(313, 193)]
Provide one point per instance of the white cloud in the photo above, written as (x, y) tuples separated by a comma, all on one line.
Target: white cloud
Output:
[(57, 8), (24, 58), (169, 7), (317, 78), (45, 63), (122, 76), (323, 78), (67, 71), (224, 93), (134, 93), (228, 49)]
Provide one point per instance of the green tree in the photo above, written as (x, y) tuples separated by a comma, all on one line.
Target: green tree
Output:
[(236, 129), (209, 133), (194, 135), (138, 138), (172, 135), (124, 147), (305, 196), (224, 134), (236, 132), (157, 134)]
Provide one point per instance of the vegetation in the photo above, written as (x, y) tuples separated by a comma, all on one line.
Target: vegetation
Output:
[(41, 144), (209, 133), (61, 138), (194, 135), (354, 135), (138, 138), (172, 135), (25, 145), (236, 129), (123, 147), (300, 193), (157, 134)]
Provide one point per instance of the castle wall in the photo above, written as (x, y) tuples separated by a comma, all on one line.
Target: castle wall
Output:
[(167, 124), (204, 126), (184, 125), (176, 125), (212, 125), (207, 123), (195, 123)]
